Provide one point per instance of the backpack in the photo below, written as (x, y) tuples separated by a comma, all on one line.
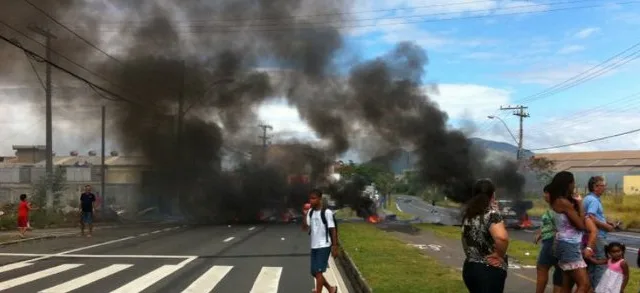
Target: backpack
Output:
[(323, 217)]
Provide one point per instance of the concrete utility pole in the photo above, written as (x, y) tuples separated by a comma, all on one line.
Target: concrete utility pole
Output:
[(49, 123), (265, 139), (519, 111), (178, 157), (103, 168)]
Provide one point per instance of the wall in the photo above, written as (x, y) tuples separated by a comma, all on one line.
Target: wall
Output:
[(123, 175), (632, 184), (30, 155)]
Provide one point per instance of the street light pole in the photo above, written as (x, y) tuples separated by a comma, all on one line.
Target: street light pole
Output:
[(518, 143)]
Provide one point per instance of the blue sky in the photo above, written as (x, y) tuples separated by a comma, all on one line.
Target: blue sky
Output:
[(483, 63)]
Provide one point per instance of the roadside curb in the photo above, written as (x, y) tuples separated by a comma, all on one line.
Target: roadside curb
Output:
[(65, 234), (352, 273)]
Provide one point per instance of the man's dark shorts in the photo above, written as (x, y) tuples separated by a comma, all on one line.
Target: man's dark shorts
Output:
[(319, 260), (87, 217)]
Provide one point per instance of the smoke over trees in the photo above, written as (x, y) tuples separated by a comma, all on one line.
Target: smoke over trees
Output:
[(162, 50)]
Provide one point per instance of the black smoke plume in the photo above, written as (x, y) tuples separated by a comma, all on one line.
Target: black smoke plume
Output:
[(164, 52)]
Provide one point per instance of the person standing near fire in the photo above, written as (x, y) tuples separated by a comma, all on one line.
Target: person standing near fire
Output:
[(324, 240), (87, 206), (571, 222), (595, 211), (546, 257), (484, 241)]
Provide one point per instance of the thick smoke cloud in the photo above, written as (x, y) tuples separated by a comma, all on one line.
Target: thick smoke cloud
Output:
[(165, 51)]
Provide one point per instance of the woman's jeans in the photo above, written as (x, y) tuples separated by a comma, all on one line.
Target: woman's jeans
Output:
[(483, 278)]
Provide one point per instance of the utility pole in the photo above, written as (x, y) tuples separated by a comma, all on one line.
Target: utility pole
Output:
[(519, 111), (102, 166), (265, 139), (49, 124), (180, 119)]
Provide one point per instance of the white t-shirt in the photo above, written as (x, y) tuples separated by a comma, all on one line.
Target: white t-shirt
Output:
[(319, 236)]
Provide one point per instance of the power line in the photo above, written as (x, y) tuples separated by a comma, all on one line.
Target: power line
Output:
[(71, 31), (306, 16), (588, 141), (588, 75), (41, 59), (584, 76), (243, 29), (53, 51)]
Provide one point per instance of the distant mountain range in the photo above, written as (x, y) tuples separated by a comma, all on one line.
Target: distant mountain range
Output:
[(402, 160)]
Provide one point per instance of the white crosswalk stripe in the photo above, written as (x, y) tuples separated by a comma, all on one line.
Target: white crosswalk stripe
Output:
[(86, 279), (37, 275), (267, 280), (211, 280), (147, 280), (208, 280)]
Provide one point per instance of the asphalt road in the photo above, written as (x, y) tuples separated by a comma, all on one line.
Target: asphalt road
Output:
[(164, 258), (447, 216)]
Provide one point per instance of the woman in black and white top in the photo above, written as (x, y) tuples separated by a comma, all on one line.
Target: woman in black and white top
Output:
[(485, 241)]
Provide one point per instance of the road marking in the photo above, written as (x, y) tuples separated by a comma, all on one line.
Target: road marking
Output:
[(144, 234), (250, 229), (37, 275), (632, 249), (144, 282), (267, 280), (4, 268), (228, 239), (398, 207), (156, 231), (86, 279), (14, 266), (98, 255), (208, 280)]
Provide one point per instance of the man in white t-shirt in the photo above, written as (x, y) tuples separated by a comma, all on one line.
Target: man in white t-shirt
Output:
[(323, 242)]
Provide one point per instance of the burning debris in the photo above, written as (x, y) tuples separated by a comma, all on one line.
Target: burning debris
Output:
[(168, 61)]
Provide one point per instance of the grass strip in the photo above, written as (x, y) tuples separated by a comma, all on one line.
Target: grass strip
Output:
[(389, 265)]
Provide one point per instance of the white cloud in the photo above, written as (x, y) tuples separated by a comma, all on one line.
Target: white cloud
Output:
[(570, 49), (469, 101), (586, 32)]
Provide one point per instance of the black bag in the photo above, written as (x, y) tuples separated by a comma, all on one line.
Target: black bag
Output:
[(323, 216)]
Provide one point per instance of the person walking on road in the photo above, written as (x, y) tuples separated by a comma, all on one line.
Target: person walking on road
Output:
[(546, 257), (324, 240), (595, 211), (23, 214), (87, 206), (484, 241)]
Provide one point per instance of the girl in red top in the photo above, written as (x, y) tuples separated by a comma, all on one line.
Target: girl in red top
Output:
[(23, 214)]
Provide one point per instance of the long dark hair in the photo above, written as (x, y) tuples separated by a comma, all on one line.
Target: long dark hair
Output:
[(562, 186), (483, 191)]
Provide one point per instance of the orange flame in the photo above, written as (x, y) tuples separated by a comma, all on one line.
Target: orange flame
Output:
[(373, 219), (525, 222)]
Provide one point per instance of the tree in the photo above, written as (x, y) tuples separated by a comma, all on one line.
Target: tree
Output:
[(58, 184), (385, 183), (542, 167)]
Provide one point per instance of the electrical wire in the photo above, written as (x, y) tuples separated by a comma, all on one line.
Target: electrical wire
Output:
[(117, 96), (587, 141), (71, 31), (245, 29)]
